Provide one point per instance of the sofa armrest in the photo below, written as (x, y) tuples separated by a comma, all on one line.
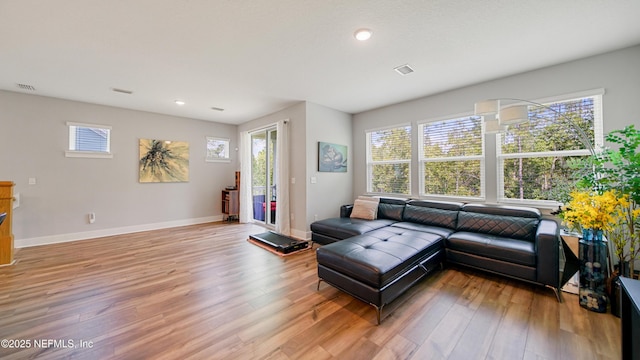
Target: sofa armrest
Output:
[(345, 210), (548, 252)]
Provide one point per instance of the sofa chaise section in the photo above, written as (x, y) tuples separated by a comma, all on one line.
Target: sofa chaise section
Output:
[(335, 229), (380, 265)]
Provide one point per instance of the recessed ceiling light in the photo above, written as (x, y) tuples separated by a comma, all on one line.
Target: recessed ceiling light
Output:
[(362, 34), (179, 102), (403, 69)]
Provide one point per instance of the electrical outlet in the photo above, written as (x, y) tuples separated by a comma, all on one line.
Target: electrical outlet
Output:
[(16, 200), (92, 217)]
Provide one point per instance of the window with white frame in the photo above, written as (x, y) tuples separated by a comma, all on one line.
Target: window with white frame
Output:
[(534, 158), (89, 140), (217, 149), (451, 157), (389, 160)]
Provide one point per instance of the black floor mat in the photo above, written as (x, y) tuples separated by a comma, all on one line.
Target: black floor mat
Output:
[(280, 243)]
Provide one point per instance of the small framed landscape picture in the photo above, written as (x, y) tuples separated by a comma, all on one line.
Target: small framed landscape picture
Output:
[(217, 149), (332, 157)]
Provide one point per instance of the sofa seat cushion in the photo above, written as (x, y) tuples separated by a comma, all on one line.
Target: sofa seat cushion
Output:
[(500, 248), (342, 228), (378, 257), (444, 232)]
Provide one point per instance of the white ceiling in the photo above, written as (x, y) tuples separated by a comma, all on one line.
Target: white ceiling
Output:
[(255, 57)]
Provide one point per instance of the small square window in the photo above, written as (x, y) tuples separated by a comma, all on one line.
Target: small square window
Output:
[(217, 149), (89, 141)]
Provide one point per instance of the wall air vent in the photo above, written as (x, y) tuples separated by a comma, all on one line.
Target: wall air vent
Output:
[(26, 87), (403, 69), (217, 109), (129, 92)]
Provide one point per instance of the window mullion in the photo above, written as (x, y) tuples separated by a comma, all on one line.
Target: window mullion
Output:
[(546, 154), (454, 158)]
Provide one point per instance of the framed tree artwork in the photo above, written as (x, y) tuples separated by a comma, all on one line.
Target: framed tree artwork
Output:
[(163, 161)]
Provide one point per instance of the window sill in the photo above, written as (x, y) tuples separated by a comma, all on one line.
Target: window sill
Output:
[(540, 204), (87, 154), (462, 199)]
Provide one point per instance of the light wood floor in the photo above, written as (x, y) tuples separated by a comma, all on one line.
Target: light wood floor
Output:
[(204, 292)]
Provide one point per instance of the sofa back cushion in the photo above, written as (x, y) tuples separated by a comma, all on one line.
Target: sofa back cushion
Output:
[(444, 205), (391, 209), (442, 214), (504, 221)]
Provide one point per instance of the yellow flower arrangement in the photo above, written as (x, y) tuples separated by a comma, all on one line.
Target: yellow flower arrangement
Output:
[(590, 210), (625, 233)]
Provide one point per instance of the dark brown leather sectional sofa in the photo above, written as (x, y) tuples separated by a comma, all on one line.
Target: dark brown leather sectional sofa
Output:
[(377, 260)]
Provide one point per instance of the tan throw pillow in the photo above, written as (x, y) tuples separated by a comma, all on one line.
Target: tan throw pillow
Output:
[(365, 209)]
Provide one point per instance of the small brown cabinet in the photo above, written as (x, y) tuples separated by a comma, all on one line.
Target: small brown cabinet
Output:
[(6, 234), (231, 201), (230, 204)]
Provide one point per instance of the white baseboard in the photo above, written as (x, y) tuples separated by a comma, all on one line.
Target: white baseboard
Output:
[(9, 264), (62, 238)]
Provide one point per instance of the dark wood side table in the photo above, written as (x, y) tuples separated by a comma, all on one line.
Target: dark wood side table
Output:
[(231, 200), (571, 264)]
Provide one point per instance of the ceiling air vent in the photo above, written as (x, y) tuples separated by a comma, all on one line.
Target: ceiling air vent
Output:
[(217, 109), (26, 87), (129, 92), (403, 69)]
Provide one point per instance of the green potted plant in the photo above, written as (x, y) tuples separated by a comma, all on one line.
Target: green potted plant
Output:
[(619, 170)]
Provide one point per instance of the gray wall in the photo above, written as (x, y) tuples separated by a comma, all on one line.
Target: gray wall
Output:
[(308, 124), (617, 72), (330, 189), (296, 115), (34, 136)]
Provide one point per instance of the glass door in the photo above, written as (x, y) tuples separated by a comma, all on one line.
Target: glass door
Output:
[(263, 175)]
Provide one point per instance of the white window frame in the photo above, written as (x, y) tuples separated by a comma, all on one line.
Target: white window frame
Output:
[(422, 160), (72, 152), (210, 158), (597, 142), (371, 162)]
